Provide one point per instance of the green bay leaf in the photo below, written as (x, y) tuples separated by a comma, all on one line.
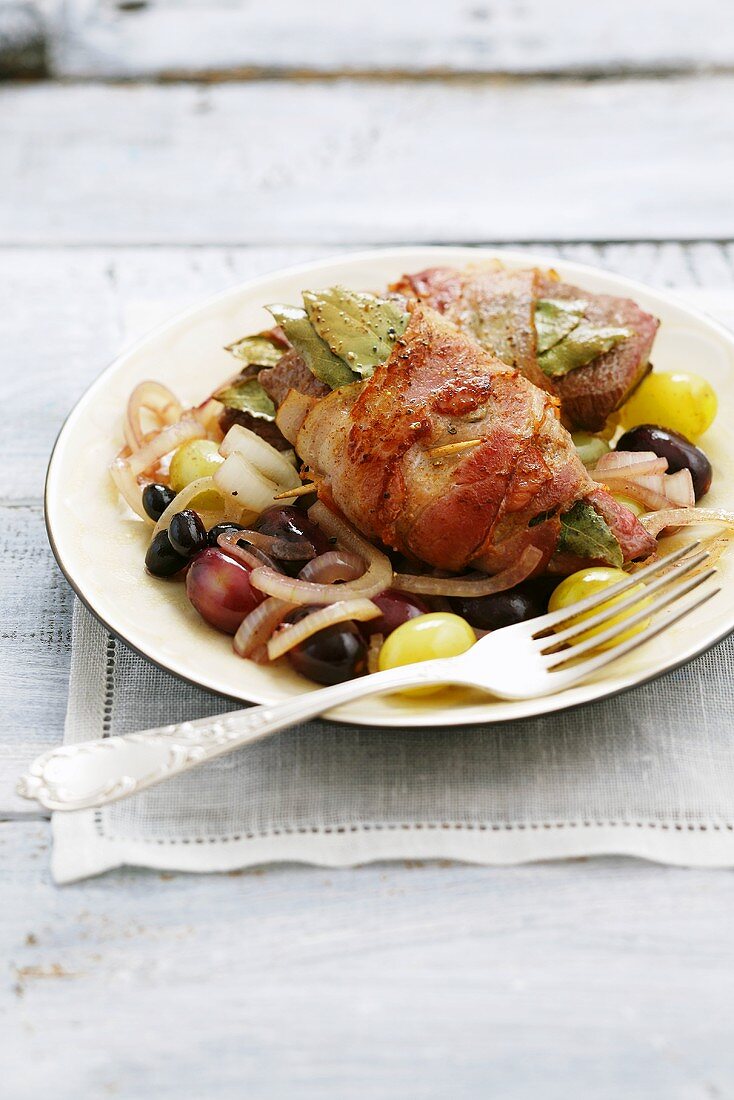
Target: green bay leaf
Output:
[(360, 328), (554, 319), (585, 534), (316, 354), (581, 346), (257, 350), (247, 395)]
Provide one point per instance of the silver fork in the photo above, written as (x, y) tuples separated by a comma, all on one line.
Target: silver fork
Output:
[(539, 657)]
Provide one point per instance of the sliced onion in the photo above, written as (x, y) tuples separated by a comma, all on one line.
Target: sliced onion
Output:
[(159, 400), (471, 585), (184, 498), (655, 522), (238, 478), (341, 612), (620, 460), (293, 411), (648, 463), (375, 579), (164, 442), (297, 550), (334, 565), (269, 462), (128, 487), (248, 554), (656, 490), (257, 627)]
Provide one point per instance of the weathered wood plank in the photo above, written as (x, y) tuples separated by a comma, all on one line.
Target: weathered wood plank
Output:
[(354, 161), (601, 979), (164, 37)]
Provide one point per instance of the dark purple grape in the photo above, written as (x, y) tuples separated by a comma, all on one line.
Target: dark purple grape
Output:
[(156, 499), (187, 533), (396, 608), (292, 525), (679, 451), (223, 529), (517, 605), (335, 654), (220, 590), (161, 559)]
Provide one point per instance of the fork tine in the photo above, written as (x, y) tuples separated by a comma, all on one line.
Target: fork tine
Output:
[(613, 631), (546, 622), (567, 677), (609, 612)]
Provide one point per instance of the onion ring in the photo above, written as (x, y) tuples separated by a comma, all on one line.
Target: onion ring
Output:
[(472, 585), (257, 627), (183, 499), (164, 442), (157, 399), (375, 579), (655, 522), (248, 555), (340, 612), (128, 487), (334, 565)]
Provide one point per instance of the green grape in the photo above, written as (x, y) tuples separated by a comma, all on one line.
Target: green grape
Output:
[(439, 634), (195, 459), (684, 403), (586, 583)]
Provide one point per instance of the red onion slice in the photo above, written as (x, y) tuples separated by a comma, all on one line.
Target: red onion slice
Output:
[(157, 399), (275, 547), (655, 522), (165, 442), (376, 577), (250, 555), (472, 585), (257, 627), (656, 490), (334, 565), (606, 472), (343, 611), (128, 487)]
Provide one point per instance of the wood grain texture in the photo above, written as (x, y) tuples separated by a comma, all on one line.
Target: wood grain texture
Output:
[(166, 38), (349, 161), (606, 979)]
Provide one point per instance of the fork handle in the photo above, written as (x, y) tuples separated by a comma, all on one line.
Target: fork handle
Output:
[(95, 773)]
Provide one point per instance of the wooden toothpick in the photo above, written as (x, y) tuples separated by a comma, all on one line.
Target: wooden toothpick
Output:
[(452, 448), (301, 491)]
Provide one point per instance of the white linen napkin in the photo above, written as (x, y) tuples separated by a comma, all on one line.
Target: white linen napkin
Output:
[(649, 773)]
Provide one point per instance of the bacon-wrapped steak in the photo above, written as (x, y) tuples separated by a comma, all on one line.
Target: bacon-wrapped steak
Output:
[(592, 349), (372, 448)]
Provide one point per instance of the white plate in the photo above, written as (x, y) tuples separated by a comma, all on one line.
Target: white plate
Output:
[(100, 548)]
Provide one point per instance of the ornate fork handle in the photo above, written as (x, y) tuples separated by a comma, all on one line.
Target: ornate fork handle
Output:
[(94, 773)]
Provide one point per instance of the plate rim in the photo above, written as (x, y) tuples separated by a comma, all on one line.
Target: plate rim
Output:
[(546, 704)]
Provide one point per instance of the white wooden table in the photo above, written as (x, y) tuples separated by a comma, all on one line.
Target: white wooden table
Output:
[(601, 131)]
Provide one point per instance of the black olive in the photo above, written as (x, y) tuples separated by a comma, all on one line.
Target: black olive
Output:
[(156, 499), (679, 451), (187, 533), (517, 605), (223, 529), (161, 559), (331, 656)]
